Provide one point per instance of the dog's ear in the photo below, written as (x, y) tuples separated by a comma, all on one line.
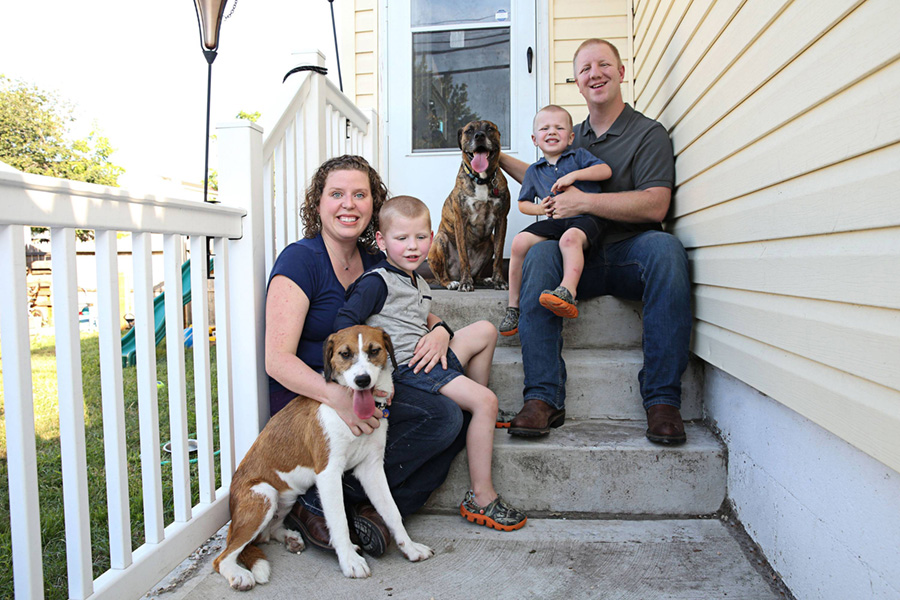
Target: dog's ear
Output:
[(328, 352), (389, 346), (459, 138)]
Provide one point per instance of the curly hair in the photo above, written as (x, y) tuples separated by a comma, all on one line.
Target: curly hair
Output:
[(309, 213)]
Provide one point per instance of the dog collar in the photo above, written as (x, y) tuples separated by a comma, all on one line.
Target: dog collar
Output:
[(495, 192), (382, 406)]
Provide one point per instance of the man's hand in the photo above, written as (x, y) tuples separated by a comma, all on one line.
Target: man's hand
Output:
[(571, 203), (637, 206)]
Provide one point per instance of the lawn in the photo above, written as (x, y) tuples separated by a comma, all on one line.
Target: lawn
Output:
[(46, 418)]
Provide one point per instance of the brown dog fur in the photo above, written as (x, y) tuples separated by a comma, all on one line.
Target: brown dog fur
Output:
[(472, 231)]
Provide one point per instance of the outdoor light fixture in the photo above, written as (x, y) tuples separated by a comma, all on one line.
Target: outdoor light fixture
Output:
[(209, 18)]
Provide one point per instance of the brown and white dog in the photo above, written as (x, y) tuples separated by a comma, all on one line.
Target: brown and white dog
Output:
[(307, 443), (473, 220)]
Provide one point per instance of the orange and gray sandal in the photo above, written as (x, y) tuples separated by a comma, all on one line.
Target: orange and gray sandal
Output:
[(497, 515), (510, 323), (560, 302), (504, 418)]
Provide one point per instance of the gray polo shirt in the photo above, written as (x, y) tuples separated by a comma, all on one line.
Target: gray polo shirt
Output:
[(639, 152)]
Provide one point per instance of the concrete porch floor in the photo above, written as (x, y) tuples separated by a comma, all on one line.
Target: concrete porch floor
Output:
[(669, 559)]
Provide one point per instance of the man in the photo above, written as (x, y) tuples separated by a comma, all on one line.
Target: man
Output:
[(637, 260)]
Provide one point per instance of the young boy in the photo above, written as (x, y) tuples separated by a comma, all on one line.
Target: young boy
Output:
[(394, 297), (560, 168)]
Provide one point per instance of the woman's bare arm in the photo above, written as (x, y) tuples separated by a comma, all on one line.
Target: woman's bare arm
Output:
[(286, 309)]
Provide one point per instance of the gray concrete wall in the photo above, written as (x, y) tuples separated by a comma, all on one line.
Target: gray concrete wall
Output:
[(826, 514)]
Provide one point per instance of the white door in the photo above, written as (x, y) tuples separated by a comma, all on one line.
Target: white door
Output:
[(450, 62)]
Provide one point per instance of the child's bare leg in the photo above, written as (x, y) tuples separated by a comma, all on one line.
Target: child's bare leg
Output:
[(474, 347), (482, 403), (572, 246), (521, 244)]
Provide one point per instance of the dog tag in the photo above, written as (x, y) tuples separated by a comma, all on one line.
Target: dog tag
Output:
[(495, 193)]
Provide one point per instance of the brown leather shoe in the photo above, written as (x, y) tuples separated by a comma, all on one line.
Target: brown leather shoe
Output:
[(536, 418), (311, 526), (664, 425), (371, 531)]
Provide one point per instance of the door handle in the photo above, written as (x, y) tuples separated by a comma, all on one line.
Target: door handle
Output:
[(530, 56)]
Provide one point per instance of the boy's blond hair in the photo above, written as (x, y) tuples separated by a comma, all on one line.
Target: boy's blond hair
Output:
[(553, 108), (401, 206)]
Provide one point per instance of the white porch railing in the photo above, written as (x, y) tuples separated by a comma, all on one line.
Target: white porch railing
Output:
[(261, 186), (316, 122)]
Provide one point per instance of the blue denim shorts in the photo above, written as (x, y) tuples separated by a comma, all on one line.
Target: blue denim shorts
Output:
[(433, 381)]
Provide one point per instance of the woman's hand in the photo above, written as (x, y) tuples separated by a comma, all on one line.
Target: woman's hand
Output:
[(341, 400), (431, 349), (383, 394)]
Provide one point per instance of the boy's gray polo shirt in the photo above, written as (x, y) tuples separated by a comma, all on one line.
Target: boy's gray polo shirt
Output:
[(639, 152)]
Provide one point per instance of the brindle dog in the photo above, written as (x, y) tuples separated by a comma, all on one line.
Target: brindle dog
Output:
[(473, 220)]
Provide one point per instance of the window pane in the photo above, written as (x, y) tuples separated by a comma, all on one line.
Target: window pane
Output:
[(458, 76), (441, 12)]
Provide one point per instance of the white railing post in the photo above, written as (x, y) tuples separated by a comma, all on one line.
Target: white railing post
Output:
[(240, 185), (315, 125), (24, 513), (72, 447)]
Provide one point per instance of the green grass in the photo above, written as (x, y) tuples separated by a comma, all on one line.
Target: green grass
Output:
[(46, 416)]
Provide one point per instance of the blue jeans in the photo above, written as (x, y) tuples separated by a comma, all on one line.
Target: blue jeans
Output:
[(652, 267), (426, 433)]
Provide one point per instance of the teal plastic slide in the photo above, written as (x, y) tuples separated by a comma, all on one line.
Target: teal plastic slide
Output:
[(129, 357)]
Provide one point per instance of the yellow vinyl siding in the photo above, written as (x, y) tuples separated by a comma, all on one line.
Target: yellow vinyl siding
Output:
[(787, 142), (365, 20), (572, 22)]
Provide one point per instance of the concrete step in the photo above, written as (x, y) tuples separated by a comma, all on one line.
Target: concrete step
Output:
[(602, 383), (600, 467), (548, 558), (604, 322)]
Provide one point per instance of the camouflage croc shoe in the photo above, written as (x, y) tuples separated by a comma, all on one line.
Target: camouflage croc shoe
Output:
[(560, 302), (510, 323), (504, 418), (497, 515)]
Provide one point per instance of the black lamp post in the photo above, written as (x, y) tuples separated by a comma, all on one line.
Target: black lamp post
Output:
[(209, 18)]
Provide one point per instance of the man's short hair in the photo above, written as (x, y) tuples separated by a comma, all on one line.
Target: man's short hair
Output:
[(402, 206), (553, 108), (593, 42)]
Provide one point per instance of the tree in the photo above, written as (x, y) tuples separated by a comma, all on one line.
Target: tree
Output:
[(440, 108), (34, 138)]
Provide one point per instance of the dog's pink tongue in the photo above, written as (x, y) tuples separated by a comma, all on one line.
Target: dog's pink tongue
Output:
[(480, 162), (363, 404)]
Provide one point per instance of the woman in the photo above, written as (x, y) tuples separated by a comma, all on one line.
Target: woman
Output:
[(306, 289)]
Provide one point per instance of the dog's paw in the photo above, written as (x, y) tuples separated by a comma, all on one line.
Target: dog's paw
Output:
[(354, 566), (293, 541), (416, 552), (242, 581), (499, 284), (466, 286), (453, 285)]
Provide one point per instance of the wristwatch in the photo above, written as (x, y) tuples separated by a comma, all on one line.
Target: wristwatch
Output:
[(445, 326)]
